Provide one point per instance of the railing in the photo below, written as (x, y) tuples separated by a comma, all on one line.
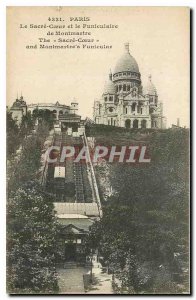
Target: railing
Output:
[(94, 181)]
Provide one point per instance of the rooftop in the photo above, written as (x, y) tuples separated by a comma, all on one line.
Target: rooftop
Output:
[(126, 62), (84, 209)]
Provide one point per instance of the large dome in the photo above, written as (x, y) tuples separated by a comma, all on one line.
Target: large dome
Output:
[(126, 62), (109, 87), (150, 88)]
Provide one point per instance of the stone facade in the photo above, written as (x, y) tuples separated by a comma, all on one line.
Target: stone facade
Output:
[(56, 108), (20, 109), (124, 102)]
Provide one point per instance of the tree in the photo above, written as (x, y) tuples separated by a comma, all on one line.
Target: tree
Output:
[(32, 241), (146, 221), (26, 125), (45, 116), (25, 168), (12, 135)]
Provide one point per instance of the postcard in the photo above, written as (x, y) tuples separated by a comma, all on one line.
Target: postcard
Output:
[(98, 147)]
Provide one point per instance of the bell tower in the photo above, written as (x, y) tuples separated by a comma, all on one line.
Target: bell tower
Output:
[(74, 107)]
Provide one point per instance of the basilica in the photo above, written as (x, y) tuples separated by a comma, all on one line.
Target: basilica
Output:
[(124, 102)]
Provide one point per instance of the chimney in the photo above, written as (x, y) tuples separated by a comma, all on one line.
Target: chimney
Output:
[(178, 122)]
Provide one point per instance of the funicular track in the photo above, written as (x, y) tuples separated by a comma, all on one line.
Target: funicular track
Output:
[(74, 187), (79, 184)]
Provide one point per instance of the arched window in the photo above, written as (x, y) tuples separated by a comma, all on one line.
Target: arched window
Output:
[(151, 110), (133, 106), (54, 112), (110, 98), (126, 110), (120, 88), (128, 123), (60, 112), (151, 99), (128, 88), (143, 124), (105, 98), (135, 124), (124, 87)]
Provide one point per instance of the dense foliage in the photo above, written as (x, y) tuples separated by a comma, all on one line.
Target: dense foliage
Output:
[(143, 235), (32, 234), (24, 165), (31, 226), (44, 115), (16, 132), (13, 140)]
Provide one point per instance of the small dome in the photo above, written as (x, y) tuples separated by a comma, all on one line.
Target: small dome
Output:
[(150, 89), (109, 87), (126, 62)]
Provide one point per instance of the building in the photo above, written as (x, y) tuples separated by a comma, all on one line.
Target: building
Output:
[(124, 102), (75, 219), (57, 109), (62, 113), (19, 109), (74, 189)]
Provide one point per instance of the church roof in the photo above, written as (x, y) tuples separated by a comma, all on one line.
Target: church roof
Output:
[(19, 102), (130, 97), (109, 87), (150, 88), (126, 62)]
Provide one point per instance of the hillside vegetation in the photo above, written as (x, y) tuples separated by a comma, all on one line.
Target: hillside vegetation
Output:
[(144, 233)]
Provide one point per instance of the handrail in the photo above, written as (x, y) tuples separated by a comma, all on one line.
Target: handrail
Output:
[(93, 177)]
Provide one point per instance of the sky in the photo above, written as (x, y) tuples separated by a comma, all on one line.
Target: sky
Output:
[(158, 38)]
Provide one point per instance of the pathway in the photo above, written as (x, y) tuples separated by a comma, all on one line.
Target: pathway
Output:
[(102, 282), (71, 280)]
